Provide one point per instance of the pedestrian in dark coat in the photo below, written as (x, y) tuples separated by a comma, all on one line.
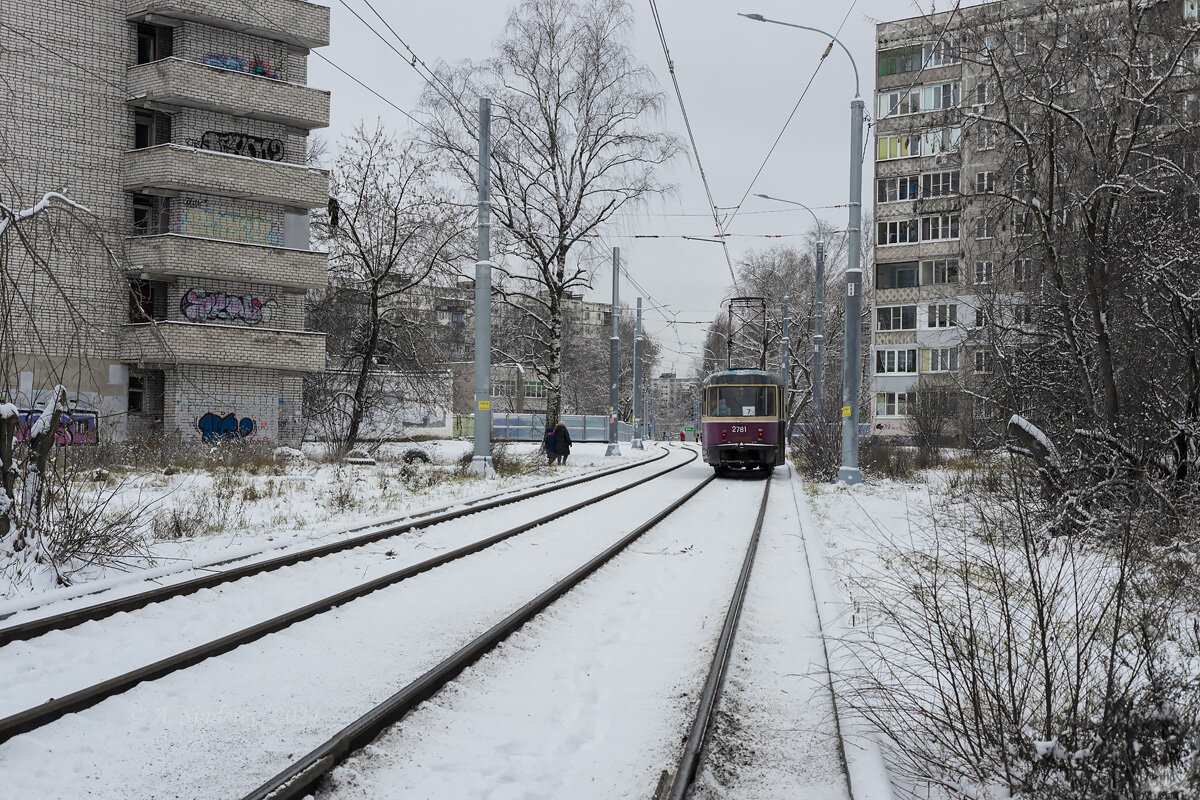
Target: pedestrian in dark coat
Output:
[(548, 444), (562, 442)]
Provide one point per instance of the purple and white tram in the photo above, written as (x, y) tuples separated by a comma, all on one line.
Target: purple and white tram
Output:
[(743, 420)]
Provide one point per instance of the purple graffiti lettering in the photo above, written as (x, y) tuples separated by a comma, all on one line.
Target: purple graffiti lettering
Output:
[(214, 427), (241, 144), (260, 66), (230, 227), (75, 427), (200, 306)]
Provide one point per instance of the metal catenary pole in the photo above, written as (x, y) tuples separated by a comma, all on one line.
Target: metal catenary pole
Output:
[(637, 380), (613, 448), (818, 365), (784, 366), (849, 472), (481, 461)]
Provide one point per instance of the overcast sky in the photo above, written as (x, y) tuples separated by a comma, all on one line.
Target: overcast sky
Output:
[(739, 79)]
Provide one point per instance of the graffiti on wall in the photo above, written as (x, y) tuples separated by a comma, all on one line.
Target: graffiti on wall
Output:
[(252, 66), (242, 228), (215, 428), (241, 144), (75, 427), (201, 306)]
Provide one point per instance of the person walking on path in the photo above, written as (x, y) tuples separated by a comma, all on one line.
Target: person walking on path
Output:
[(562, 442), (548, 445)]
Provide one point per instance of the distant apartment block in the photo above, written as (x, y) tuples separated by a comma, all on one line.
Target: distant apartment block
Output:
[(183, 125)]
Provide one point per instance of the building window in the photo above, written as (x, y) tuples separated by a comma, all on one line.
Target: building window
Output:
[(891, 190), (151, 215), (1023, 223), (901, 231), (896, 362), (896, 318), (979, 318), (896, 276), (943, 359), (939, 184), (534, 389), (503, 388), (1191, 10), (150, 128), (984, 361), (891, 404), (941, 54), (1023, 272), (985, 227), (147, 301), (983, 272), (900, 59), (913, 101), (939, 228), (153, 43), (985, 93), (986, 139), (1024, 313), (942, 315), (944, 140), (890, 147), (940, 271), (985, 182), (1021, 181), (136, 395), (1020, 42)]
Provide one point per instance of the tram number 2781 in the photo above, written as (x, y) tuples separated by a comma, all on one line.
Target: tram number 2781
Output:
[(738, 428)]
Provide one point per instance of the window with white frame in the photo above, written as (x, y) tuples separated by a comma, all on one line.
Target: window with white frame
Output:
[(984, 361), (985, 93), (986, 140), (978, 318), (1023, 223), (1020, 42), (899, 103), (943, 359), (940, 96), (891, 404), (898, 231), (939, 228), (985, 227), (1021, 179), (985, 182), (1023, 270), (534, 389), (1024, 314), (939, 184), (944, 140), (891, 190), (983, 272), (1191, 10), (890, 147), (941, 54), (988, 45), (942, 315), (916, 100), (939, 271), (896, 362), (896, 318)]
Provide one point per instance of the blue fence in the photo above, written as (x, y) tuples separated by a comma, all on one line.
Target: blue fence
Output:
[(532, 427)]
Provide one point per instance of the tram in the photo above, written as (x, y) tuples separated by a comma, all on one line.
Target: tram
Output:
[(742, 420)]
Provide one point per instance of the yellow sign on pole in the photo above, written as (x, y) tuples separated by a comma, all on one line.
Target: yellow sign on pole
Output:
[(845, 411), (485, 405)]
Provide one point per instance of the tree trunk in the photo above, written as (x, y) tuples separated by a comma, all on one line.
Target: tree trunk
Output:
[(358, 407), (40, 441), (554, 393), (8, 476)]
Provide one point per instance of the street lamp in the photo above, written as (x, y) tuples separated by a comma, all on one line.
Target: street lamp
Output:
[(819, 322), (851, 371)]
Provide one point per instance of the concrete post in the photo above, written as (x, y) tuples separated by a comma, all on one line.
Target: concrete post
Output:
[(614, 449), (481, 461), (852, 368), (818, 365), (785, 366), (637, 380)]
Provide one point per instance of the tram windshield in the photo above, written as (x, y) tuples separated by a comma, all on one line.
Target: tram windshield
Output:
[(740, 401)]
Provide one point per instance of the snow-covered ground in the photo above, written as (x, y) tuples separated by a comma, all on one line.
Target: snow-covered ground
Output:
[(236, 513)]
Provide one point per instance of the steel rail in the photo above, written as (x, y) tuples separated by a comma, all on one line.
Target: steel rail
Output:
[(690, 760), (301, 777), (45, 713), (71, 618)]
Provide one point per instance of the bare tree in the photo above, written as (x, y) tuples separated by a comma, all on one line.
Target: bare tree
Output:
[(389, 228), (571, 147)]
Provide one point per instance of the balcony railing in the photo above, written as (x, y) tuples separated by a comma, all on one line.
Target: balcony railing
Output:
[(170, 168), (176, 82), (296, 22), (176, 255), (168, 343)]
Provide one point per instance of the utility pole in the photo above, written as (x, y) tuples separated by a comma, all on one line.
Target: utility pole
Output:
[(637, 380), (818, 365), (613, 448), (481, 461), (849, 472), (784, 366)]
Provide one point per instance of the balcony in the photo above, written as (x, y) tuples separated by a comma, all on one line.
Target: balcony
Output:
[(296, 22), (171, 168), (174, 255), (178, 83), (167, 343)]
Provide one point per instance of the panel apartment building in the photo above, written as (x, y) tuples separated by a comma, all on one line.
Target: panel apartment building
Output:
[(956, 268), (182, 126)]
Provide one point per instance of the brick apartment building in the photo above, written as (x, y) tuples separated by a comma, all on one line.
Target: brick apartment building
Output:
[(956, 253), (182, 125)]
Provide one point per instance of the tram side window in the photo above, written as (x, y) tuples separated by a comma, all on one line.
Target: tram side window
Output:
[(741, 401)]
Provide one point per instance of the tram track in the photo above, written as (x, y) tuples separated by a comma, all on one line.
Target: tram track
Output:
[(91, 613), (73, 702)]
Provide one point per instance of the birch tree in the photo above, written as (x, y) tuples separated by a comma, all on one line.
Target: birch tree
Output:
[(573, 144)]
